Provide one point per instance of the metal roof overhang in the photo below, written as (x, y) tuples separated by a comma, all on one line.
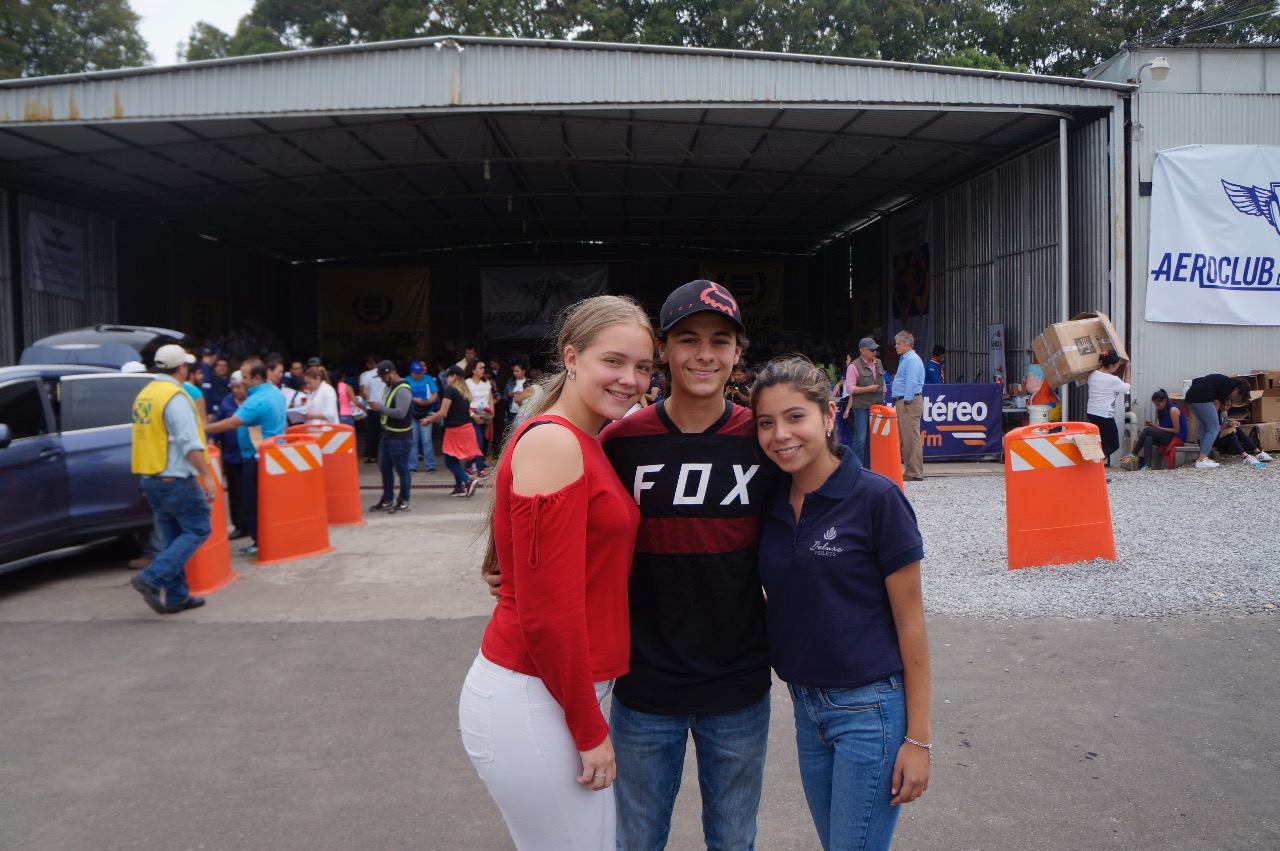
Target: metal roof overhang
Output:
[(456, 144)]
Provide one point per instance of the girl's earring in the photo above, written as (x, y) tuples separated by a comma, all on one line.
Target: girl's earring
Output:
[(573, 375)]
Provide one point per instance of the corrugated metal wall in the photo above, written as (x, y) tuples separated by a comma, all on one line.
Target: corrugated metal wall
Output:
[(8, 347), (44, 313), (997, 241), (1089, 218), (1164, 353)]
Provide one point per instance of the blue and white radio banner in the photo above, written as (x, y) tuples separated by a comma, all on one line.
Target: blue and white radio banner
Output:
[(1214, 257), (961, 420)]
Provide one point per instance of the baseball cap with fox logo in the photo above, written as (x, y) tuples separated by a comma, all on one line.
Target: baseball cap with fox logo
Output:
[(699, 297)]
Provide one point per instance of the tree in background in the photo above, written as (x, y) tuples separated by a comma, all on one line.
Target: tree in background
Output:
[(40, 37)]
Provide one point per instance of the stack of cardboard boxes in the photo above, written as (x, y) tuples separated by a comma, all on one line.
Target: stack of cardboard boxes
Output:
[(1260, 419)]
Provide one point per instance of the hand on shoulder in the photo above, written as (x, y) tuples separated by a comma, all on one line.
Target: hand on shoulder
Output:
[(546, 459)]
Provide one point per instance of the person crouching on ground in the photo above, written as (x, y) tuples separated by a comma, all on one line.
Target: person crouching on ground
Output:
[(562, 533), (1170, 425), (840, 564)]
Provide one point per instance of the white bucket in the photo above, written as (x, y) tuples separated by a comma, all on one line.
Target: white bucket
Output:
[(1037, 414)]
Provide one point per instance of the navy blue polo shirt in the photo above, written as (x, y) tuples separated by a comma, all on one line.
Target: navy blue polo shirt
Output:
[(828, 614)]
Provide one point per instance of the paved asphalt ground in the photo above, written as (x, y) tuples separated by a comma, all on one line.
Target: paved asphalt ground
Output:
[(313, 705)]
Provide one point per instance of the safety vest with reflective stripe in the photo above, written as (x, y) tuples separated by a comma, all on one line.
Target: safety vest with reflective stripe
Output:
[(386, 403)]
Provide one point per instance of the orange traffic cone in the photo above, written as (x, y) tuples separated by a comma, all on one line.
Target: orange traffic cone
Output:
[(209, 569), (341, 471), (886, 451), (1056, 504), (292, 520)]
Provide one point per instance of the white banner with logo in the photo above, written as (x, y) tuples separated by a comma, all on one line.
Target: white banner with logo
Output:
[(55, 257), (521, 303), (1214, 253)]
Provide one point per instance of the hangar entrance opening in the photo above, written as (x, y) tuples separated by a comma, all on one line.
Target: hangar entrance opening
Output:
[(221, 196)]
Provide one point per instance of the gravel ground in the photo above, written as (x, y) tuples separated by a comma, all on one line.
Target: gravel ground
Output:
[(1187, 541)]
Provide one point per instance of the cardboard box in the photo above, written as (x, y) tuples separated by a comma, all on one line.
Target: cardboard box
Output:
[(1069, 351), (1266, 435), (1266, 406), (1270, 378), (1193, 424), (1257, 380)]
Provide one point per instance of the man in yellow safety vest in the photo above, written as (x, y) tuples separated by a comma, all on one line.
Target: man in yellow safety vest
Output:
[(169, 455)]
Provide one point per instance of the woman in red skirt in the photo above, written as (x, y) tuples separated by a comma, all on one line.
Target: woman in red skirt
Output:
[(460, 447)]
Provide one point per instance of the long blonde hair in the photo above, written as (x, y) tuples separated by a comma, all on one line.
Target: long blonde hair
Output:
[(577, 326), (459, 383)]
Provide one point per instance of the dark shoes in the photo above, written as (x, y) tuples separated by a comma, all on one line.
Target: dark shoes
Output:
[(471, 486), (383, 505), (237, 534), (189, 603), (149, 592), (401, 505), (913, 478), (459, 491)]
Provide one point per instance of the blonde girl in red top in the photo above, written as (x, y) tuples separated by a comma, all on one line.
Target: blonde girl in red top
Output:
[(563, 533)]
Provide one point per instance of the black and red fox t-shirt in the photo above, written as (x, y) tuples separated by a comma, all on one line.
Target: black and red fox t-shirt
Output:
[(697, 611)]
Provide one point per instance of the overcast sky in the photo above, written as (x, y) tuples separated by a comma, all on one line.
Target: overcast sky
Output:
[(167, 22)]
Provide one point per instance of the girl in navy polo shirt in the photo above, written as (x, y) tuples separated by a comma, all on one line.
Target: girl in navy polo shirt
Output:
[(840, 564)]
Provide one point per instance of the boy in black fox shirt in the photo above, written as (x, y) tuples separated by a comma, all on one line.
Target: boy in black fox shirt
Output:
[(699, 659)]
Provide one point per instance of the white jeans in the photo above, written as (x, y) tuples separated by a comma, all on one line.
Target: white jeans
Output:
[(515, 733)]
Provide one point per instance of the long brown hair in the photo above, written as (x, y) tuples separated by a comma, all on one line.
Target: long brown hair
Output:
[(800, 374), (577, 326)]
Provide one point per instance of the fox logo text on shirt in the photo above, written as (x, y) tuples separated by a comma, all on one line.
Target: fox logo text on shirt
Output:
[(692, 484)]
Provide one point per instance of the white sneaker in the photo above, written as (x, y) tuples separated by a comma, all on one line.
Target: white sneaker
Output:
[(1206, 464), (1250, 461), (1263, 457)]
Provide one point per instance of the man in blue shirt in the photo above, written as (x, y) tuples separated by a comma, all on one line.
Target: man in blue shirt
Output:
[(907, 401), (232, 460), (424, 390), (263, 408)]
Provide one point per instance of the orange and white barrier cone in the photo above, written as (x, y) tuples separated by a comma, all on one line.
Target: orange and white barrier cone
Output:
[(886, 451), (209, 569), (292, 520), (1056, 504), (341, 471)]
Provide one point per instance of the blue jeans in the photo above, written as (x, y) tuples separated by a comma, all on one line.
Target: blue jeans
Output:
[(1207, 414), (847, 740), (480, 430), (422, 445), (181, 514), (393, 456), (460, 477), (860, 426), (730, 747)]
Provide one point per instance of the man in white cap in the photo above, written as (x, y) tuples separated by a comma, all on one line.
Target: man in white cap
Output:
[(169, 455)]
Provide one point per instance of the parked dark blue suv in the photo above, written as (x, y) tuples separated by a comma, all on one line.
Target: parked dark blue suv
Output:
[(65, 458)]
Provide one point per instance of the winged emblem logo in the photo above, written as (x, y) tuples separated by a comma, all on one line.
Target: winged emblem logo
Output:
[(1256, 201)]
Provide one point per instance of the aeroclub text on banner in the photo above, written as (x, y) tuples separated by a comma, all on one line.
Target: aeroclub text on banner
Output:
[(1214, 253), (961, 421)]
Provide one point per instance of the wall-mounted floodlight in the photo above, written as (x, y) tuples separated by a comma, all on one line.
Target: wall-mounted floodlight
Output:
[(1159, 70)]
